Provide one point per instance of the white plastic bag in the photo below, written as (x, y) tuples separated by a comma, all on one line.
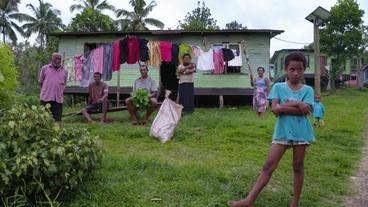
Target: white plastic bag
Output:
[(167, 118)]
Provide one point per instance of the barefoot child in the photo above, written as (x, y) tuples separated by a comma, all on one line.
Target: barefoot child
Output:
[(318, 111), (291, 103)]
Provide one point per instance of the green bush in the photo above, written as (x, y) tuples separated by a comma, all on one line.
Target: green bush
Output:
[(8, 76), (38, 158)]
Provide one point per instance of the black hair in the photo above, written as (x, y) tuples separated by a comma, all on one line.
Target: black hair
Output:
[(260, 67), (144, 66), (186, 54), (296, 56), (98, 73)]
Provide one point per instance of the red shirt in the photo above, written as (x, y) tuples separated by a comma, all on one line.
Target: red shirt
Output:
[(116, 56), (133, 50)]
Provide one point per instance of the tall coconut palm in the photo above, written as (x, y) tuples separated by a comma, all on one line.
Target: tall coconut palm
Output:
[(95, 5), (137, 19), (45, 19), (9, 13)]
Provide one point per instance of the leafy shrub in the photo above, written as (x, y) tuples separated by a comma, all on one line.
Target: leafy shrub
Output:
[(140, 99), (37, 158), (8, 76)]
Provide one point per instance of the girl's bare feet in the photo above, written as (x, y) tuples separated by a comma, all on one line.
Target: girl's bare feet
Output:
[(241, 203)]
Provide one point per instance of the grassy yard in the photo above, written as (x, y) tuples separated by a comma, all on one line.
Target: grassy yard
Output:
[(217, 154)]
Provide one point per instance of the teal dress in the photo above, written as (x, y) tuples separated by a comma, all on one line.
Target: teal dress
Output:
[(318, 110), (290, 127)]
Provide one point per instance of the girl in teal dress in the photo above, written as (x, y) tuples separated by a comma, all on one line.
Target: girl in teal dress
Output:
[(291, 104)]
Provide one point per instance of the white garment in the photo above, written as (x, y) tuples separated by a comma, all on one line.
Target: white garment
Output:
[(205, 60), (237, 61)]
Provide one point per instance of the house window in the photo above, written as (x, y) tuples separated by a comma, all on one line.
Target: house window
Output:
[(89, 46), (307, 58), (233, 67)]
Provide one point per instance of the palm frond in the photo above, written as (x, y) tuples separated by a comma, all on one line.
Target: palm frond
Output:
[(154, 22)]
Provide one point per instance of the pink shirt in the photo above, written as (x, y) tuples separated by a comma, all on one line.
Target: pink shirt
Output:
[(116, 56), (98, 60), (165, 48), (78, 67), (53, 82)]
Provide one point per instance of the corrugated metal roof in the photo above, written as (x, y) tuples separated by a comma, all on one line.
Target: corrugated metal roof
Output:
[(272, 33)]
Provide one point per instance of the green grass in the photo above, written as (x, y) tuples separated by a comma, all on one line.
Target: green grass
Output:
[(217, 154)]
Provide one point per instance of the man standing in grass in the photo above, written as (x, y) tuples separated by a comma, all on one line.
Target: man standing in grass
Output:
[(97, 99), (52, 79), (147, 83)]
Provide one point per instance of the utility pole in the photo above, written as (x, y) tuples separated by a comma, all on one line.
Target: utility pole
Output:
[(317, 17), (317, 69)]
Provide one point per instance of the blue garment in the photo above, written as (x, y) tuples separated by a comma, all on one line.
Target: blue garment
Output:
[(318, 110), (290, 127), (107, 62), (260, 83)]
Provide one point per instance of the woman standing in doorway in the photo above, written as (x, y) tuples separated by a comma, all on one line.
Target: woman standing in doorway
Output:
[(261, 88), (186, 84)]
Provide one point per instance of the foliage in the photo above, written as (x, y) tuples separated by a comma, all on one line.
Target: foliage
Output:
[(94, 5), (8, 16), (91, 21), (199, 19), (39, 158), (342, 37), (45, 19), (217, 154), (140, 99), (8, 77), (137, 19), (234, 25)]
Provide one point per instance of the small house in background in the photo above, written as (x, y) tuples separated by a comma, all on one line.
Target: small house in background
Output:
[(277, 64), (235, 81)]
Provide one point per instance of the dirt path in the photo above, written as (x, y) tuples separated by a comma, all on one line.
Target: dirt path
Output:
[(360, 181)]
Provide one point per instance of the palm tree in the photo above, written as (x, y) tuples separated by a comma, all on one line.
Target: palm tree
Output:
[(95, 5), (8, 13), (137, 19), (45, 19)]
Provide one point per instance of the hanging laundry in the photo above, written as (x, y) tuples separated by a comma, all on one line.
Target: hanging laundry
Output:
[(78, 67), (123, 50), (107, 62), (165, 48), (218, 61), (205, 60), (237, 61), (116, 56), (175, 54), (184, 48), (228, 54), (154, 53), (87, 76), (98, 59), (133, 50), (196, 50), (143, 50)]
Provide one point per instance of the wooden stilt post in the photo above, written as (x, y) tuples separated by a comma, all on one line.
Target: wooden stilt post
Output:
[(221, 101), (118, 90)]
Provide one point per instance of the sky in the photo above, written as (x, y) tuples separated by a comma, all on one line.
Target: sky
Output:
[(287, 15)]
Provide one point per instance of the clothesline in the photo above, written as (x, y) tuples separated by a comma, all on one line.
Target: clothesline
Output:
[(108, 57)]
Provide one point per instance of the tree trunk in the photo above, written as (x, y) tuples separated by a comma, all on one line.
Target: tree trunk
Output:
[(3, 34), (332, 83), (360, 75)]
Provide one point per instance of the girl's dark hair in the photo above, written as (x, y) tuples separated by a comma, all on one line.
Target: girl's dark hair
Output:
[(187, 54), (261, 68), (296, 56)]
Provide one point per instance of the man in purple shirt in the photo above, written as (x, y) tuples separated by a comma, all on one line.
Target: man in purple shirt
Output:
[(52, 79)]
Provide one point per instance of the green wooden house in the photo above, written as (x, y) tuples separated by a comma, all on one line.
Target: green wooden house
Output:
[(232, 82), (277, 66)]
